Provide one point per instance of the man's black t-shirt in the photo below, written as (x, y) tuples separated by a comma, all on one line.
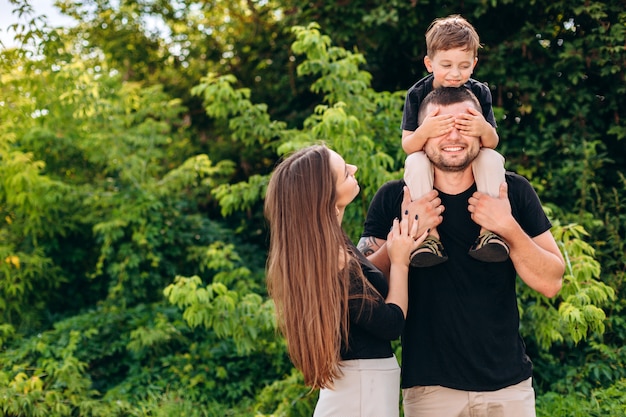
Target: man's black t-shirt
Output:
[(462, 327)]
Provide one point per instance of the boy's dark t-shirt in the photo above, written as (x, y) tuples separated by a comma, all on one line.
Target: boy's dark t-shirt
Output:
[(415, 95)]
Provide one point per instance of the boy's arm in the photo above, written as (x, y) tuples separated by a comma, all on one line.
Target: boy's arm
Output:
[(473, 123), (414, 141), (432, 126), (490, 138)]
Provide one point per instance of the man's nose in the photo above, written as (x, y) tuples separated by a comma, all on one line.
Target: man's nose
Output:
[(454, 133)]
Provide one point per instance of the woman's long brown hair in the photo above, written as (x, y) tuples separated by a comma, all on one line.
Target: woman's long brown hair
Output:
[(304, 278)]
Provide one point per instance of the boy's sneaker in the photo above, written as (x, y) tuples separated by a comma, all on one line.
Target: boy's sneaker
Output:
[(429, 253), (489, 247)]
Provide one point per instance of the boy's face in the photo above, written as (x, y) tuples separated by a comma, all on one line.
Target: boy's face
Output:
[(451, 68)]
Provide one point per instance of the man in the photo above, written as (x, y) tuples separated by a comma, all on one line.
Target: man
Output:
[(462, 354)]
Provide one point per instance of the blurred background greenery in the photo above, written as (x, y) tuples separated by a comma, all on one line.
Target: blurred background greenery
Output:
[(135, 146)]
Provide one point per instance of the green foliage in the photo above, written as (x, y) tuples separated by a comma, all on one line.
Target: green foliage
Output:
[(31, 205), (133, 162), (53, 385), (577, 309), (597, 362), (241, 317), (354, 113), (288, 397), (600, 403)]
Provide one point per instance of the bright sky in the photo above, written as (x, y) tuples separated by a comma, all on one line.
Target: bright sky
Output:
[(54, 19), (41, 7)]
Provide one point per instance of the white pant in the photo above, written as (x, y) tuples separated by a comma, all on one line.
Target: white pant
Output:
[(368, 388)]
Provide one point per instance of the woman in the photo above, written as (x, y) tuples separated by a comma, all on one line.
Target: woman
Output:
[(336, 310)]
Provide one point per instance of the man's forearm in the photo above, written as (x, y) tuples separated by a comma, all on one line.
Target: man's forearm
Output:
[(376, 252), (538, 262)]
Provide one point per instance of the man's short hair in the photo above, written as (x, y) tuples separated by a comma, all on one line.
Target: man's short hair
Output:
[(446, 96)]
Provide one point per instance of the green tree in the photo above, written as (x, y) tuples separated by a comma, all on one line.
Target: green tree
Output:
[(133, 164)]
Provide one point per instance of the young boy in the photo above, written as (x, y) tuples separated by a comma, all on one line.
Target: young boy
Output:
[(451, 54)]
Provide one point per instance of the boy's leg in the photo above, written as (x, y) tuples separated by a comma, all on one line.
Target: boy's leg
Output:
[(418, 174), (419, 177), (488, 169)]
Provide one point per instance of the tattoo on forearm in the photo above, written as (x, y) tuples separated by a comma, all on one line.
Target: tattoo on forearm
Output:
[(367, 245)]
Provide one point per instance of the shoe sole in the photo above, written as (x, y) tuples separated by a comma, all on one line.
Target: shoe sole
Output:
[(425, 260), (493, 252)]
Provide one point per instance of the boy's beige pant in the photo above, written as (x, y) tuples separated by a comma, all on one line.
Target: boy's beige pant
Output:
[(436, 401), (488, 169)]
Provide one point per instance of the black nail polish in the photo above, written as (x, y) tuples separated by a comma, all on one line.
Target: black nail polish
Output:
[(416, 217), (406, 212)]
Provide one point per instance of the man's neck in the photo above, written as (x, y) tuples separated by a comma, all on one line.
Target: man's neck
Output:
[(453, 182)]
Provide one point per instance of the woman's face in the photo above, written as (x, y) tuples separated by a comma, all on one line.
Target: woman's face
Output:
[(347, 186)]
